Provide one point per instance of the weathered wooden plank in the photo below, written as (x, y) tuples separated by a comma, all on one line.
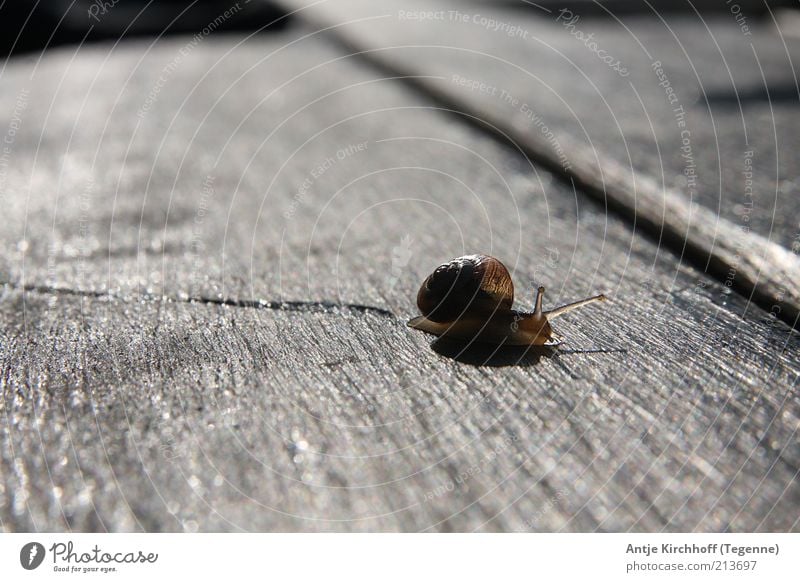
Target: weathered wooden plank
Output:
[(688, 128), (674, 406)]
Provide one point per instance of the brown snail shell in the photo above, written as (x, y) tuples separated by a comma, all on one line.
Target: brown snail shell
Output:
[(473, 282), (472, 298)]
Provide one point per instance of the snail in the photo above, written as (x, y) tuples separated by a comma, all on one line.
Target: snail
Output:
[(472, 298)]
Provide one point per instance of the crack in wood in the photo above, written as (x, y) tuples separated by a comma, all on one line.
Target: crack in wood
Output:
[(274, 305)]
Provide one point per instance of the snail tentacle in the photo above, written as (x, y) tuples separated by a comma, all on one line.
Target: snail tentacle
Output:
[(553, 313)]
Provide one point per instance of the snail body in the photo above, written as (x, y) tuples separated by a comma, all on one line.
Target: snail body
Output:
[(472, 297)]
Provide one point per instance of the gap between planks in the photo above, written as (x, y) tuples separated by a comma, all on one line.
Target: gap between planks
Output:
[(274, 305)]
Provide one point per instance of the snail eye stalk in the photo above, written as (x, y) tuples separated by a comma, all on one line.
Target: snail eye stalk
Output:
[(571, 306)]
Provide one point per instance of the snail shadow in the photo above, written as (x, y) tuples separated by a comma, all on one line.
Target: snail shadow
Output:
[(483, 354)]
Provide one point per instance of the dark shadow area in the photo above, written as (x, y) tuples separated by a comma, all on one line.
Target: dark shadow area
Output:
[(27, 26), (483, 354), (756, 95), (609, 8)]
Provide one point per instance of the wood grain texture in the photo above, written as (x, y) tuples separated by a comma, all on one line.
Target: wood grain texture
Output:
[(684, 128), (290, 395)]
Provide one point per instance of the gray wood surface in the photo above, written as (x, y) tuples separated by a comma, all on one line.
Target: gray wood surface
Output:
[(689, 128), (203, 320)]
